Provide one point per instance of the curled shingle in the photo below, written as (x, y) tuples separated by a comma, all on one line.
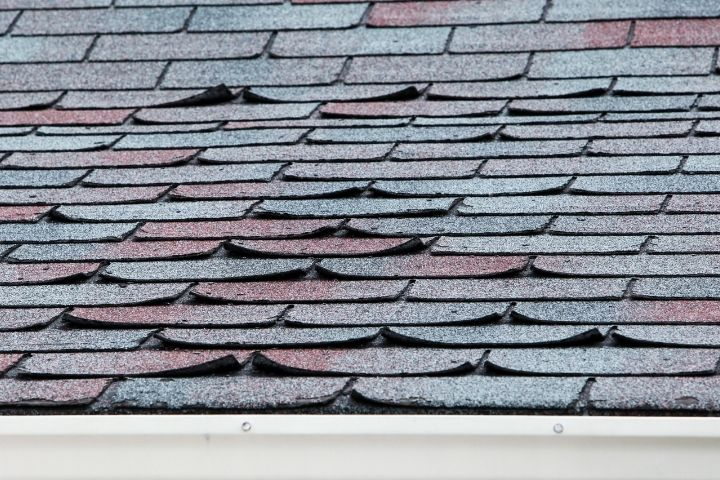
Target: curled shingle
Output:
[(325, 247), (259, 338)]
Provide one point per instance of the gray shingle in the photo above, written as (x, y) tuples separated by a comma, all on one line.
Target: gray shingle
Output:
[(6, 19), (537, 244), (571, 10), (210, 269), (179, 46), (154, 211), (21, 319), (401, 134), (669, 335), (685, 244), (131, 128), (424, 68), (508, 120), (647, 184), (370, 361), (295, 153), (123, 98), (223, 393), (103, 251), (656, 146), (377, 170), (604, 104), (122, 20), (72, 340), (207, 73), (661, 393), (629, 265), (358, 207), (471, 392), (489, 149), (27, 101), (328, 93), (448, 225), (80, 76), (607, 63), (89, 294), (360, 41), (218, 113), (34, 143), (276, 17), (609, 313), (598, 130), (473, 186), (580, 166), (39, 178), (182, 174), (266, 190), (211, 139), (604, 361), (43, 49), (270, 337), (517, 289), (56, 232), (669, 288), (360, 314), (708, 127), (182, 315), (667, 85), (495, 335), (560, 204), (520, 89), (638, 224)]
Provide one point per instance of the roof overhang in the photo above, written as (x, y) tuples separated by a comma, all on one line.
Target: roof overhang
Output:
[(277, 447)]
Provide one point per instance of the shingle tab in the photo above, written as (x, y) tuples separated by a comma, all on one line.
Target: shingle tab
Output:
[(13, 274), (179, 46), (216, 113), (325, 247), (43, 49), (470, 187), (560, 204), (21, 101), (360, 41), (50, 393), (327, 93), (666, 85), (154, 211), (78, 76), (301, 291), (520, 89), (409, 266), (102, 158), (401, 134), (629, 265), (604, 361), (270, 337), (247, 228), (209, 139), (26, 318), (656, 146), (54, 232), (685, 244), (602, 130), (360, 207), (369, 314), (637, 224), (176, 316), (298, 152), (71, 340), (128, 250), (33, 143), (489, 149), (272, 190), (517, 289), (90, 294), (495, 335), (378, 170), (276, 17), (537, 244), (605, 63), (580, 166), (207, 73), (647, 184), (570, 10), (124, 20), (369, 361), (210, 269), (131, 364), (412, 109), (225, 393), (448, 225), (669, 336), (540, 36), (471, 392), (683, 287), (450, 13), (182, 174), (424, 68), (654, 394), (606, 104)]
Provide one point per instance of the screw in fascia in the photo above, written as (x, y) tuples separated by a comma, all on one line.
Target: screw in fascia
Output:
[(246, 426), (558, 428)]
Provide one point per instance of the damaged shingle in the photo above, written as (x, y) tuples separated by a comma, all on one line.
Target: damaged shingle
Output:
[(259, 338)]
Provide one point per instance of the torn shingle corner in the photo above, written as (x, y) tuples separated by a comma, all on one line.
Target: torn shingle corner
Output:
[(359, 207)]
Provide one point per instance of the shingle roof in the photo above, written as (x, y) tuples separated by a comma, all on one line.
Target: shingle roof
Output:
[(350, 207)]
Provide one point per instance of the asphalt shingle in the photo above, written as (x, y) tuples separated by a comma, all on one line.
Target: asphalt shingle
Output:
[(183, 174), (325, 247), (537, 244), (21, 319), (470, 187), (90, 294), (154, 211), (271, 337), (361, 207), (560, 204), (450, 13), (247, 228), (656, 394), (448, 225), (50, 393), (571, 10), (520, 89)]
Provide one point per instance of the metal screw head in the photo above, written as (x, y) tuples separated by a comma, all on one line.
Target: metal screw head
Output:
[(246, 426), (558, 428)]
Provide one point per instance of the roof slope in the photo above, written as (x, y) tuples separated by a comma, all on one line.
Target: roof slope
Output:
[(344, 207)]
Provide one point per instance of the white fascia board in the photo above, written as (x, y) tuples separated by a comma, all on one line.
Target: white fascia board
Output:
[(423, 447)]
